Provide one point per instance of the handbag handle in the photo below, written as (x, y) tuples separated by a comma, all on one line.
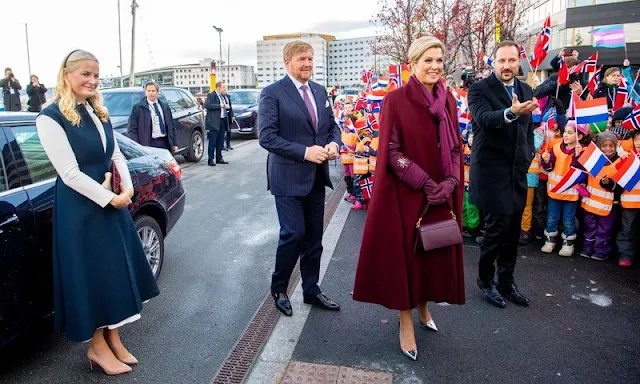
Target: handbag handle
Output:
[(426, 208)]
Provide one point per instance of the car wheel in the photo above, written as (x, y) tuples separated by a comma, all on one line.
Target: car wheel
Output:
[(152, 240), (196, 148)]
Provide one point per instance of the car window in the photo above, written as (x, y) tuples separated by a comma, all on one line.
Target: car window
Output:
[(244, 97), (38, 164), (121, 103), (3, 178), (173, 99), (129, 148), (186, 100)]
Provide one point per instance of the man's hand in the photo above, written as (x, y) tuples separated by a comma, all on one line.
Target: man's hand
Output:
[(227, 106), (317, 154), (175, 149), (576, 87), (525, 108), (332, 150)]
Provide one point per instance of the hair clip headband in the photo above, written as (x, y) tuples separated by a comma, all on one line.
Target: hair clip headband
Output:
[(68, 56)]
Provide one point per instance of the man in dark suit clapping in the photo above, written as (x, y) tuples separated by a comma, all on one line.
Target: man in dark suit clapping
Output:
[(218, 113), (298, 129), (501, 107)]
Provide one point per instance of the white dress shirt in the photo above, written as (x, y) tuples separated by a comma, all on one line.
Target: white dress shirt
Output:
[(223, 102), (156, 133), (56, 144)]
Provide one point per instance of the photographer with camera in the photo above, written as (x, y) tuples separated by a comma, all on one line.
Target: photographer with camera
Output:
[(10, 87), (36, 92)]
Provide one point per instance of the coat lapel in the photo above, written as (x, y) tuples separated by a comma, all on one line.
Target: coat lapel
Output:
[(291, 90), (500, 89)]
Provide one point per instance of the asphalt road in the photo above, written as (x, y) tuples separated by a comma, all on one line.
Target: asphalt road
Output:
[(583, 325), (216, 272)]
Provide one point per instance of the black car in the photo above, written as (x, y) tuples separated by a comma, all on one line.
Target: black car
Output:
[(187, 115), (245, 110), (27, 181)]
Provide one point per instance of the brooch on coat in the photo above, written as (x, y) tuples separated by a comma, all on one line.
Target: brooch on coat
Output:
[(403, 162)]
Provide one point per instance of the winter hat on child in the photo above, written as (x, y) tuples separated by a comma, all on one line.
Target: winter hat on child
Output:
[(606, 136)]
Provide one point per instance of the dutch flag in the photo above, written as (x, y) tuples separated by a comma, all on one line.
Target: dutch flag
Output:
[(591, 111), (628, 173), (487, 60), (573, 177), (593, 160)]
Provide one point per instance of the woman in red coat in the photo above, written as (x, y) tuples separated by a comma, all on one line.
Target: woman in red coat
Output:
[(421, 146)]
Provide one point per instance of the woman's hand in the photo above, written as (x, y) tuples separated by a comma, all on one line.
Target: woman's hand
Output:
[(107, 181), (122, 200), (546, 156), (442, 192)]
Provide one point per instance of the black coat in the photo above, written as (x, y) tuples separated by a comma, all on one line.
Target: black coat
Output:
[(501, 152), (212, 105), (548, 88), (36, 97), (12, 102), (606, 91), (141, 126)]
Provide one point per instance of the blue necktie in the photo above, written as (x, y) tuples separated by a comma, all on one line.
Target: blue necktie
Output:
[(155, 106), (510, 89)]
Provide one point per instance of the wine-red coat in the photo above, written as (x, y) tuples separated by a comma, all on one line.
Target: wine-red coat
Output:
[(390, 271)]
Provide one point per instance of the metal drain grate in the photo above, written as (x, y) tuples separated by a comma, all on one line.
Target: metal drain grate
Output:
[(236, 366)]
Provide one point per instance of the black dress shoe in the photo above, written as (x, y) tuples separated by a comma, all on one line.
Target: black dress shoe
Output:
[(222, 162), (225, 149), (321, 301), (510, 291), (491, 293), (230, 148), (282, 303), (211, 163)]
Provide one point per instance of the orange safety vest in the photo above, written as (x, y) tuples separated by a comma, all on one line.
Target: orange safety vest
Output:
[(534, 167), (627, 145), (349, 140), (361, 163), (631, 200), (467, 167), (373, 159), (561, 168), (601, 201), (548, 145)]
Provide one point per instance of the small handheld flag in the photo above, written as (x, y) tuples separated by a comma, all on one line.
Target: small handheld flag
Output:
[(593, 160), (487, 60), (632, 122), (628, 173), (366, 186), (591, 111), (573, 177)]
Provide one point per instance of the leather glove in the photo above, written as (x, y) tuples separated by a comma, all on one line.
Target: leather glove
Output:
[(445, 189)]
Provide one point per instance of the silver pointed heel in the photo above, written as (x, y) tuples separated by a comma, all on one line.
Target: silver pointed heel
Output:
[(413, 355), (430, 325)]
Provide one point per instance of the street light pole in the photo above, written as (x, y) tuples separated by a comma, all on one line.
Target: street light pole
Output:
[(134, 6), (26, 32), (120, 46), (219, 29)]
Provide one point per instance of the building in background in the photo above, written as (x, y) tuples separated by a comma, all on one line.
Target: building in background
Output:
[(337, 62), (192, 77), (571, 22), (271, 62)]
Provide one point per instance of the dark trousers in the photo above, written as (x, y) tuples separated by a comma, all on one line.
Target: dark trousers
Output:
[(227, 135), (540, 198), (216, 140), (500, 244), (161, 142), (628, 237), (301, 220), (598, 232)]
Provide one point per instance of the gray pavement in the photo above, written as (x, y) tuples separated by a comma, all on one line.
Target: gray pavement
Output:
[(583, 325), (216, 273)]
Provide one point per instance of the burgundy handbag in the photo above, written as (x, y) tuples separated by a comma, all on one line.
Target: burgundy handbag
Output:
[(439, 234), (115, 179)]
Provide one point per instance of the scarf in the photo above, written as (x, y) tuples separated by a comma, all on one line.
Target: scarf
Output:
[(437, 104)]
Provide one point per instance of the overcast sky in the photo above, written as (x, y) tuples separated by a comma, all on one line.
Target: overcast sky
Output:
[(167, 33)]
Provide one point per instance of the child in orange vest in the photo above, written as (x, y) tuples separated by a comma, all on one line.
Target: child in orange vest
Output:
[(599, 215), (630, 201), (553, 137), (361, 168), (349, 139), (563, 204)]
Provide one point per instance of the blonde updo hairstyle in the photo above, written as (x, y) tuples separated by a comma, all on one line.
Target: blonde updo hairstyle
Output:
[(421, 45), (64, 96)]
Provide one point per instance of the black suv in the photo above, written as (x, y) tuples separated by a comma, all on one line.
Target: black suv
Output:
[(27, 180), (187, 115)]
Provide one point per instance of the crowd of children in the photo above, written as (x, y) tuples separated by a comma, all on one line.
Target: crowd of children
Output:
[(565, 203)]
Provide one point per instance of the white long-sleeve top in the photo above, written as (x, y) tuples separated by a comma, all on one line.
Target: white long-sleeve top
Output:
[(56, 144)]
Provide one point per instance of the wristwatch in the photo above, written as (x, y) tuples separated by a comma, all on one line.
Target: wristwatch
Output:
[(510, 115)]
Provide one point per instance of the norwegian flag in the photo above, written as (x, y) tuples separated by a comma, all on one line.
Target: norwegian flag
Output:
[(487, 60), (593, 83), (361, 104), (571, 111), (366, 186), (463, 122), (366, 75), (373, 123), (632, 122), (461, 100), (551, 121), (542, 44), (621, 94), (591, 63), (523, 53), (399, 74)]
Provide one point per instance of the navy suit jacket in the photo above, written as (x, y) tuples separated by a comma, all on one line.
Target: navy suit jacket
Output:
[(141, 127), (286, 130)]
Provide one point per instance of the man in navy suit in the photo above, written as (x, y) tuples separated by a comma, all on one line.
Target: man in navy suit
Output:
[(151, 122), (298, 129)]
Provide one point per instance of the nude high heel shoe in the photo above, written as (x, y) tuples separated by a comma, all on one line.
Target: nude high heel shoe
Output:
[(111, 371)]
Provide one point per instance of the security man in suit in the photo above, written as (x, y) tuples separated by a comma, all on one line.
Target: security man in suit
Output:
[(298, 129), (151, 122), (501, 107), (218, 115)]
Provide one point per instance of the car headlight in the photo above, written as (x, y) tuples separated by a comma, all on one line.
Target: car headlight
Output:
[(244, 114)]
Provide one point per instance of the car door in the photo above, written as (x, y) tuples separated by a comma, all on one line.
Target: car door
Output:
[(192, 119), (179, 114), (23, 272)]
